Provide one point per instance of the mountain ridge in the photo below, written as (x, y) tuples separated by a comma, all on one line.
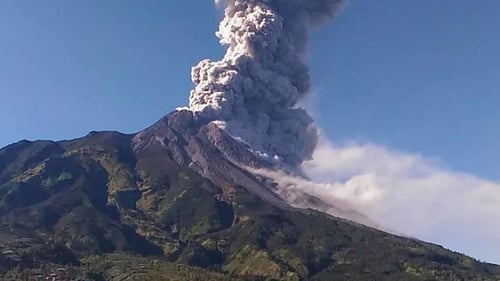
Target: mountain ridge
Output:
[(170, 194)]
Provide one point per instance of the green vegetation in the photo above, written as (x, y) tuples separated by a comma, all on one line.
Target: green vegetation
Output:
[(92, 209)]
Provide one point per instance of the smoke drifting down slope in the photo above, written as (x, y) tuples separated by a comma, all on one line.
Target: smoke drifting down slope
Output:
[(250, 96), (253, 91)]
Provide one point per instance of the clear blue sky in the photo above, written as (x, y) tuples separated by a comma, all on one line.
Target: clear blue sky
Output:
[(417, 76)]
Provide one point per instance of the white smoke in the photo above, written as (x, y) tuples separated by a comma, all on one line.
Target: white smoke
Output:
[(415, 195), (254, 89), (405, 193)]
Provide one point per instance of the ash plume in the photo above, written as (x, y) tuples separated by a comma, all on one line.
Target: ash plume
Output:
[(254, 90)]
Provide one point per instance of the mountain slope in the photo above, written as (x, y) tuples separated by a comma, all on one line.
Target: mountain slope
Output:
[(173, 194)]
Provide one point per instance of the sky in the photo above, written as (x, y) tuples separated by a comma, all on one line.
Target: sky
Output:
[(414, 83)]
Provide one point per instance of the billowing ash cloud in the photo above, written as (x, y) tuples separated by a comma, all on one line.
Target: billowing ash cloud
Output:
[(254, 89)]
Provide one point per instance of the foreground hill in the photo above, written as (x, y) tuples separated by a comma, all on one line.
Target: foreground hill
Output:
[(111, 206)]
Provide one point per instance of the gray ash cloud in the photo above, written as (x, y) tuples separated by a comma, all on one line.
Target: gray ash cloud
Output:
[(254, 90)]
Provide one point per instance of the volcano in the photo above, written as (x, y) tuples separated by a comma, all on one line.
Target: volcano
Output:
[(189, 198), (173, 202)]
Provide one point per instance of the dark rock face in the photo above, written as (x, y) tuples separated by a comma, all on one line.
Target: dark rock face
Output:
[(206, 149), (176, 192)]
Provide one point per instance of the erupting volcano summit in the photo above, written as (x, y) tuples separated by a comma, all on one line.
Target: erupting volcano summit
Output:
[(252, 93)]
